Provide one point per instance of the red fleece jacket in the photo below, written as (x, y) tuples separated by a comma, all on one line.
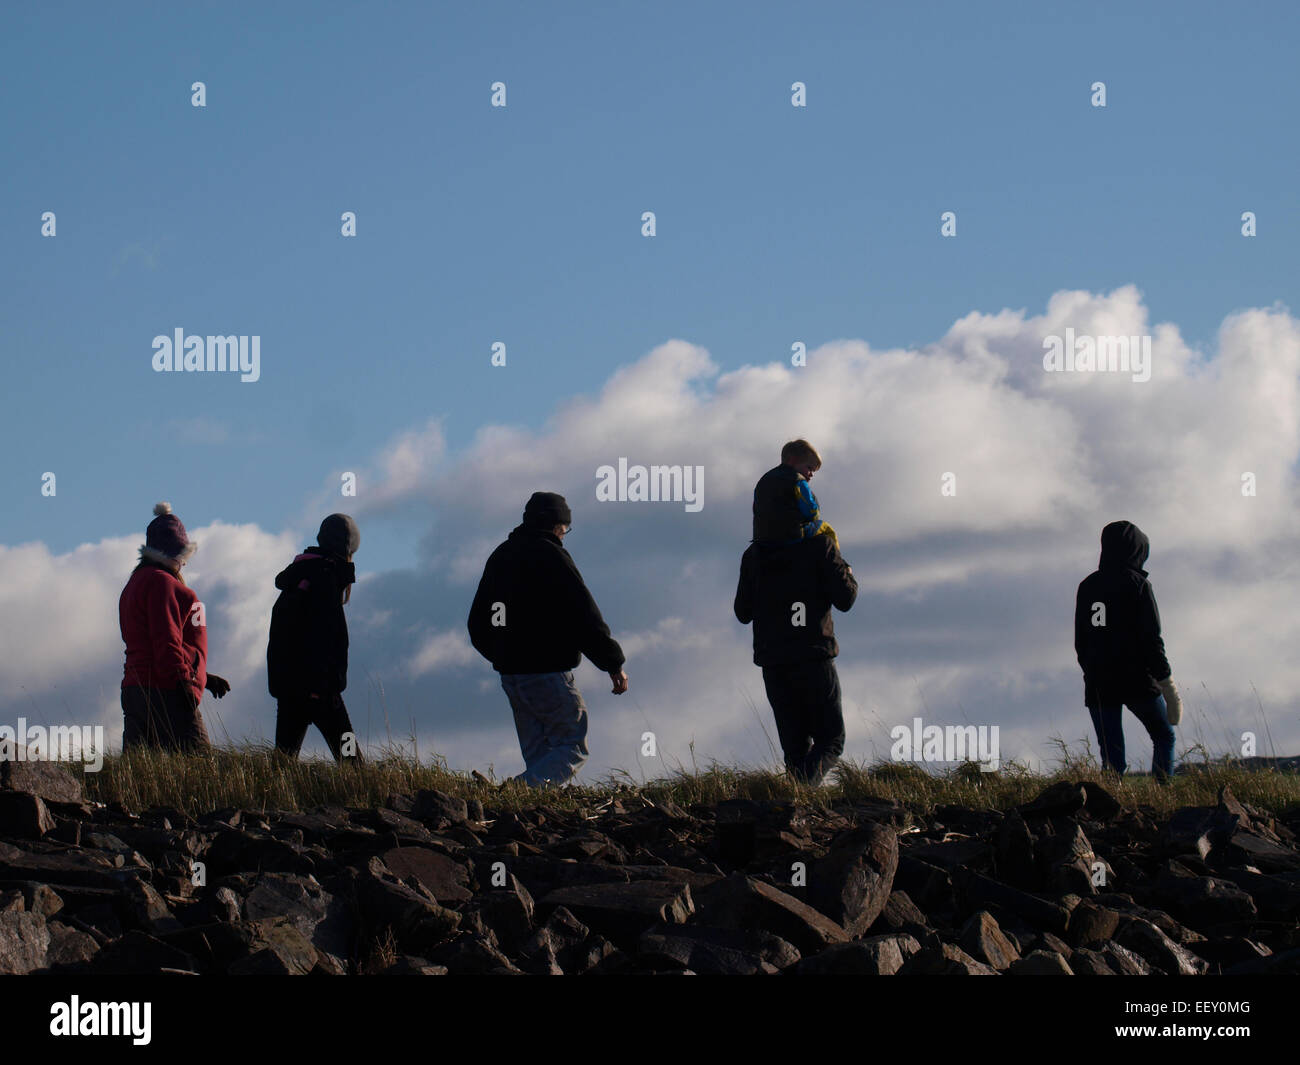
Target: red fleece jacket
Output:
[(164, 648)]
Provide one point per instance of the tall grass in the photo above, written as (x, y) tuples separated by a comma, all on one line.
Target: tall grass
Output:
[(251, 777)]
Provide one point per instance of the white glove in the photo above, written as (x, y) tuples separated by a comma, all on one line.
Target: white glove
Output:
[(1173, 704)]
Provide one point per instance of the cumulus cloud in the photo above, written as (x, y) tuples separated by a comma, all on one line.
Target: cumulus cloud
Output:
[(965, 610)]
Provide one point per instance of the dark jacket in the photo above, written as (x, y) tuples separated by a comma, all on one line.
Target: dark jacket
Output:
[(785, 508), (308, 649), (773, 578), (550, 619), (1123, 659)]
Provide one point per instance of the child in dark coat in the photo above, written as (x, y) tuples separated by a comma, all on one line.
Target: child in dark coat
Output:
[(307, 656), (1118, 643), (785, 509), (166, 639)]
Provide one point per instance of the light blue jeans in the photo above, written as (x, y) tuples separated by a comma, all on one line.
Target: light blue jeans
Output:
[(551, 720)]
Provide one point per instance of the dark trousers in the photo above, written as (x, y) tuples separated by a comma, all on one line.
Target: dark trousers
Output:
[(1107, 719), (164, 718), (805, 700), (293, 716)]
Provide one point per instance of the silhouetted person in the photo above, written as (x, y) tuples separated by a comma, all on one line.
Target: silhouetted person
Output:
[(307, 655), (166, 639), (533, 619), (787, 588), (1118, 643)]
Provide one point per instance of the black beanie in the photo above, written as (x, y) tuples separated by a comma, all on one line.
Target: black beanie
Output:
[(339, 535), (545, 509)]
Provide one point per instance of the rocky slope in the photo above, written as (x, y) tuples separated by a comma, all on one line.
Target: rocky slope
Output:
[(430, 884)]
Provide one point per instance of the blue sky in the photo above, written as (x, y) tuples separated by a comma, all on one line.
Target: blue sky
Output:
[(522, 225)]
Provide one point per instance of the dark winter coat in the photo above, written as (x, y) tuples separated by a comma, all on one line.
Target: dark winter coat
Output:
[(550, 619), (1124, 658), (773, 578), (308, 649)]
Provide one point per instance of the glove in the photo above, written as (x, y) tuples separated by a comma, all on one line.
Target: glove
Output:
[(1173, 704), (218, 686)]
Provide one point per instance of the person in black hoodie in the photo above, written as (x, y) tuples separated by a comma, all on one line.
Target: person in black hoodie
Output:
[(533, 619), (787, 591), (1121, 652), (307, 656)]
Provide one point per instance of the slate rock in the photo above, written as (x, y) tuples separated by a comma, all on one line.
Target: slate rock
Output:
[(446, 878), (984, 941), (50, 781), (622, 911), (1063, 797), (852, 883), (945, 960), (24, 942), (138, 953), (881, 955), (280, 949), (24, 816), (320, 916), (438, 807), (1087, 962), (1161, 952), (1041, 963), (69, 947)]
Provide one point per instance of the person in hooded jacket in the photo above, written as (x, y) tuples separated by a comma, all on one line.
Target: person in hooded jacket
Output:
[(166, 637), (786, 589), (307, 655), (1122, 653), (533, 618)]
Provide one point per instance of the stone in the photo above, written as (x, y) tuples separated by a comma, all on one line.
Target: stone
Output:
[(1124, 961), (852, 883), (24, 942), (720, 951), (280, 949), (41, 899), (899, 913), (980, 891), (983, 940), (148, 909), (741, 901), (24, 816), (321, 917), (508, 910), (1161, 952), (1204, 900), (445, 878), (622, 911), (1086, 962), (1062, 798), (469, 954), (1013, 851), (50, 781), (1100, 804), (69, 947), (1090, 922), (1041, 963), (436, 806), (945, 960), (137, 953), (412, 917), (881, 955)]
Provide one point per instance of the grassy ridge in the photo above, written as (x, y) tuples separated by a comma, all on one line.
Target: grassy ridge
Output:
[(255, 778)]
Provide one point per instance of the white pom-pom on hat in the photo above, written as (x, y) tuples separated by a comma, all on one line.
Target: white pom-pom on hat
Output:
[(162, 508)]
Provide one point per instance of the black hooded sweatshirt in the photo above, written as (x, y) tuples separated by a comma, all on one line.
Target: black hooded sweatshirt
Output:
[(1123, 659), (776, 577), (549, 619), (308, 649)]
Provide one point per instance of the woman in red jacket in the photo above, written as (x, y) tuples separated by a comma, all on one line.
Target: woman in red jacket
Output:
[(166, 640)]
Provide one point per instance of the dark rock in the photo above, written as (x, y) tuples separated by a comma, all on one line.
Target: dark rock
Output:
[(1245, 848), (24, 816), (41, 899), (1204, 900), (744, 902), (446, 878), (563, 945), (408, 965), (466, 953), (979, 892), (852, 883), (217, 945), (1090, 922), (1062, 798), (875, 956), (928, 885), (1124, 961), (947, 960), (1286, 962), (1100, 804), (1161, 952), (69, 947), (723, 951), (509, 912), (322, 918), (1086, 962), (280, 949), (1041, 963), (137, 953), (983, 940), (439, 808), (1232, 950), (622, 911), (952, 854), (148, 909), (1013, 849), (24, 942), (51, 781), (900, 913), (413, 918)]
